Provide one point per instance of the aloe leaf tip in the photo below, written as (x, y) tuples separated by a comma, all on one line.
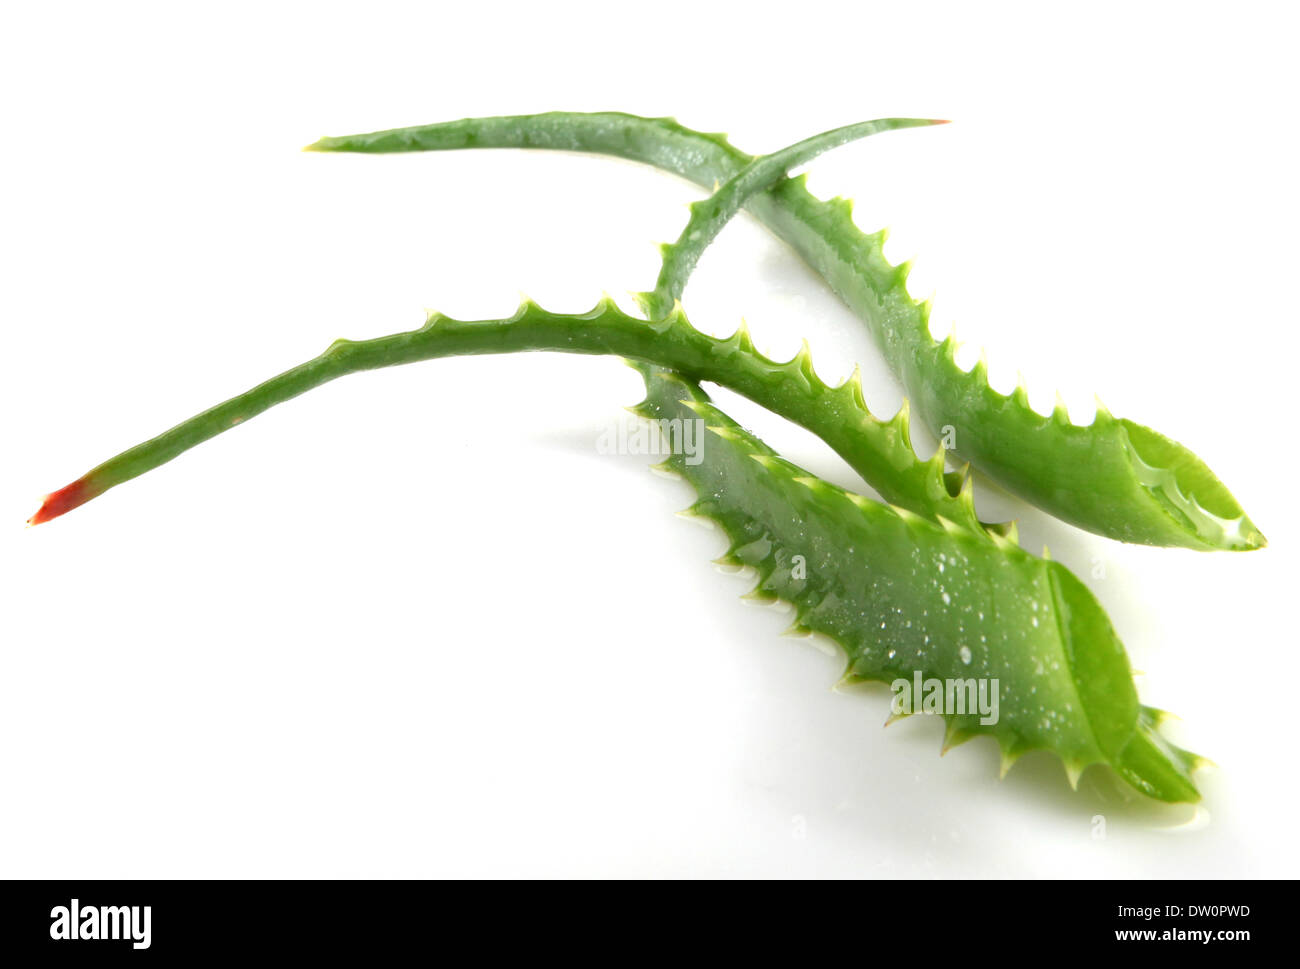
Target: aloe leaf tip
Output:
[(60, 502)]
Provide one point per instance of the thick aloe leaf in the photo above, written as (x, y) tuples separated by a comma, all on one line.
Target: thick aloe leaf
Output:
[(1114, 477), (904, 597)]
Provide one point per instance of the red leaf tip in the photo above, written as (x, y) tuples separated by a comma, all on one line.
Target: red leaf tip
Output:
[(61, 501)]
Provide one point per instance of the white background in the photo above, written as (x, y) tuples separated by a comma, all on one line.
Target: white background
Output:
[(413, 624)]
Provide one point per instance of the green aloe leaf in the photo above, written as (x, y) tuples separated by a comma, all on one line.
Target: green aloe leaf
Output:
[(1114, 477), (880, 451), (907, 599)]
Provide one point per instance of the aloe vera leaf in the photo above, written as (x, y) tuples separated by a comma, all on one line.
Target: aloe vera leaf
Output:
[(709, 216), (1114, 477), (881, 451), (903, 596)]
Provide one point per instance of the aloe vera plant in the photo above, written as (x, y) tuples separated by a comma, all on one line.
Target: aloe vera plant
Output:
[(917, 587), (1114, 477)]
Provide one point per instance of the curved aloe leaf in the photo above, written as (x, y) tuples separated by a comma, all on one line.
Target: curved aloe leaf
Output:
[(905, 598), (881, 451), (709, 216), (1114, 477)]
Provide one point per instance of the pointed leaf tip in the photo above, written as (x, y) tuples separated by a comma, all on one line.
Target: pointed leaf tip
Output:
[(62, 501), (323, 143)]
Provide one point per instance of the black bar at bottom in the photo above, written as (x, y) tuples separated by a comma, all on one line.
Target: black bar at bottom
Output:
[(136, 920)]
